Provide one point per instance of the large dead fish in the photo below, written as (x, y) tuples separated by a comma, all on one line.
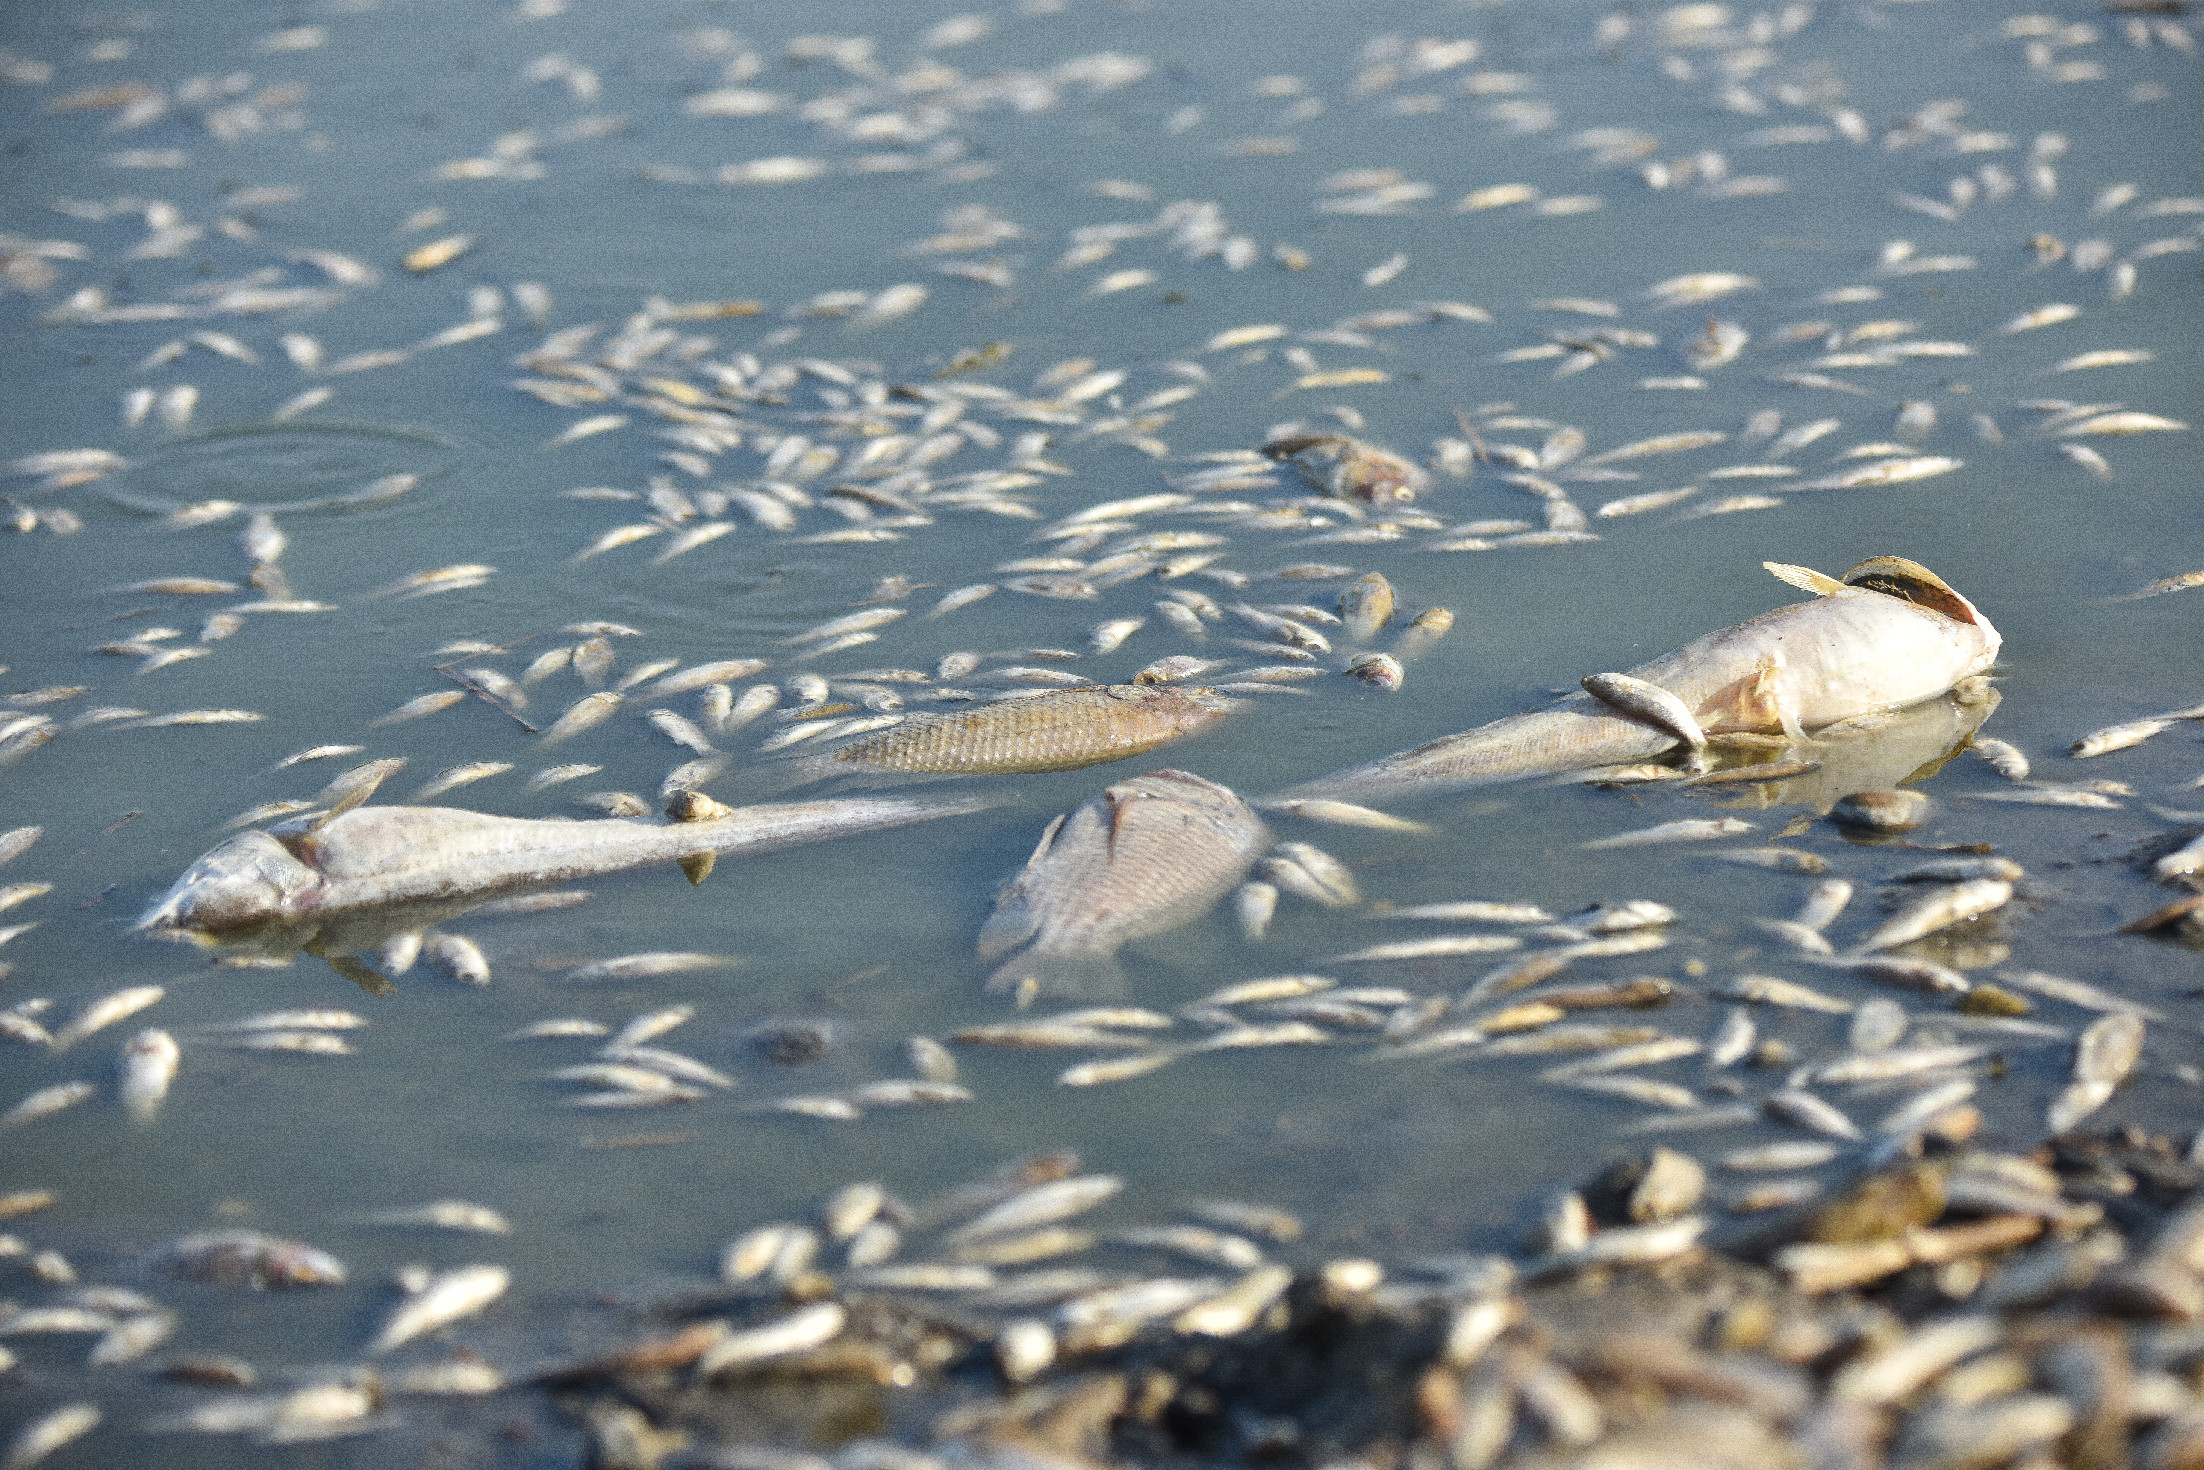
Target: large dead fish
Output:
[(1887, 635), (1145, 856), (1058, 731), (377, 856)]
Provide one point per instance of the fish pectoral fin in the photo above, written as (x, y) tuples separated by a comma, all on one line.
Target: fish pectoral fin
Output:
[(1806, 579), (1770, 705), (356, 971)]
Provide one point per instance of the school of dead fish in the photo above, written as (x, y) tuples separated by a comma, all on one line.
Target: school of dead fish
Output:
[(1878, 675)]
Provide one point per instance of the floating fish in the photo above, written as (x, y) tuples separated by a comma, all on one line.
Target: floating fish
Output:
[(1062, 730), (385, 855), (1145, 856), (1887, 635)]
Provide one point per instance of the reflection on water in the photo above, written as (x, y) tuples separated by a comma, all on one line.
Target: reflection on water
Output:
[(1455, 245)]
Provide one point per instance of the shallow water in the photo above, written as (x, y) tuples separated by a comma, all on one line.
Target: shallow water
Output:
[(874, 935)]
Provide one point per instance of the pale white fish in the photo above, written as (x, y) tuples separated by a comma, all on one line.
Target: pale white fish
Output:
[(106, 1011), (447, 1214), (444, 1300), (1696, 829), (147, 1067)]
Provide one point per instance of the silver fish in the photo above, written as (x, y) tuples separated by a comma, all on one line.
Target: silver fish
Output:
[(1146, 856), (380, 855), (442, 1301)]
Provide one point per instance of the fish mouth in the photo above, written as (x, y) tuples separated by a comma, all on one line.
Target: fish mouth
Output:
[(1909, 581)]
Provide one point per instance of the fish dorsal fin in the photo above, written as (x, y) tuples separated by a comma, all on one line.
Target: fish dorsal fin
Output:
[(1805, 579)]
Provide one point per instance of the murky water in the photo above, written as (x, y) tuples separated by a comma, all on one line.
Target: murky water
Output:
[(608, 199)]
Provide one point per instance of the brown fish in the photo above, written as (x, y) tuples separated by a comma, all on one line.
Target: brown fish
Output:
[(1351, 469), (1145, 856), (1058, 731)]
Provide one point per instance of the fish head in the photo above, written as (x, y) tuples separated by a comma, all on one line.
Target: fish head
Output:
[(250, 879), (1909, 581)]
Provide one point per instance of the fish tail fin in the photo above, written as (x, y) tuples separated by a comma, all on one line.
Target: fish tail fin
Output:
[(1036, 974)]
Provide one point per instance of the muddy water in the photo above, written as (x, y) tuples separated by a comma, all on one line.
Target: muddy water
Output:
[(871, 939)]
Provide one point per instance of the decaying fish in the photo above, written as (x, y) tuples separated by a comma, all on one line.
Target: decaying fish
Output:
[(1887, 635), (1058, 731), (249, 1258), (385, 855), (1145, 856), (1352, 469)]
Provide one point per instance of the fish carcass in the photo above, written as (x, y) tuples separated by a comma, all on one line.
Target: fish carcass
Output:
[(375, 856), (1887, 635), (1145, 856)]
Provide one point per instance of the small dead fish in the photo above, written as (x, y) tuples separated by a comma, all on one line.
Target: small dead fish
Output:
[(2118, 737), (459, 957), (1433, 947), (1311, 874), (2122, 422), (1952, 905), (46, 1101), (586, 713), (1110, 636), (416, 708), (106, 1011), (646, 966), (1349, 468), (298, 1043), (1365, 605), (49, 1432), (444, 1300), (1788, 994), (1341, 814), (447, 1214), (2066, 796), (1648, 702), (147, 1067), (1697, 829)]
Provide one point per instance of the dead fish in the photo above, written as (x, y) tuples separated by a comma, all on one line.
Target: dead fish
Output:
[(248, 1258), (2118, 737), (1698, 829), (1365, 605), (1343, 814), (1310, 874), (1648, 702), (376, 856), (1351, 469), (414, 709), (1889, 634), (1146, 856), (443, 1301), (1940, 910), (1061, 730), (49, 1432), (147, 1067), (106, 1011), (447, 1214), (586, 713)]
